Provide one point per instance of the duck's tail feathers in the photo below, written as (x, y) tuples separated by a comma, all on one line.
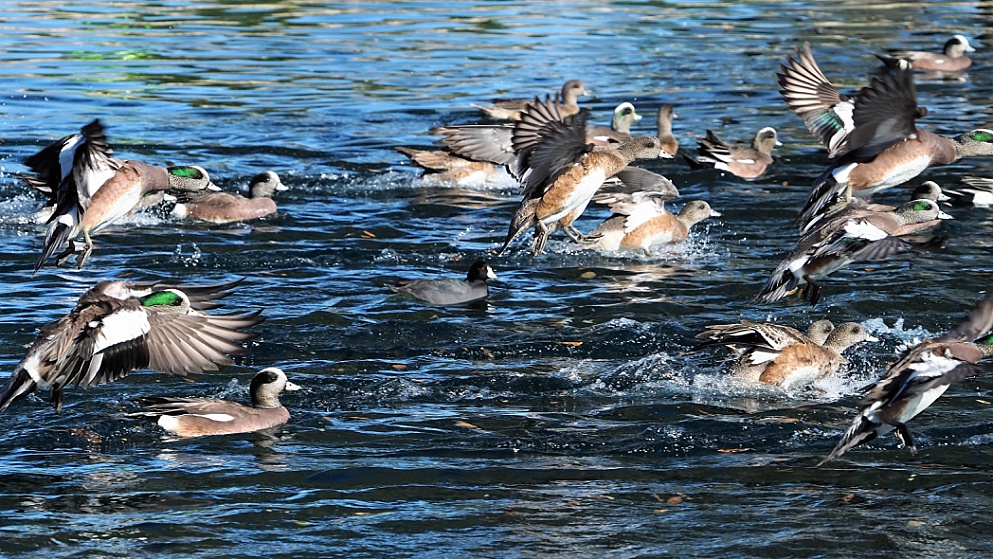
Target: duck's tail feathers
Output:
[(779, 285), (18, 386), (60, 232), (861, 431), (523, 220)]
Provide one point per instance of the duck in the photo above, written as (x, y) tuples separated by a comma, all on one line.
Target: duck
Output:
[(978, 191), (117, 327), (919, 376), (447, 291), (199, 417), (92, 189), (442, 166), (779, 355), (69, 171), (640, 221), (951, 59), (856, 237), (558, 171), (620, 126), (663, 121), (857, 207), (743, 162), (123, 191), (227, 207), (510, 109), (872, 136)]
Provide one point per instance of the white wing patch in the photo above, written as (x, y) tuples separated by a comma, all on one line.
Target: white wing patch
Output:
[(119, 327), (862, 229)]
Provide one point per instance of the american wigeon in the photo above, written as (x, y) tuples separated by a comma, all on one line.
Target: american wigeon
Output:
[(873, 136), (951, 59), (857, 207), (663, 121), (96, 189), (862, 236), (978, 191), (69, 171), (510, 109), (559, 172), (445, 167), (199, 417), (920, 375), (640, 221), (228, 207), (118, 327), (779, 355), (741, 161), (123, 191), (450, 291), (620, 126)]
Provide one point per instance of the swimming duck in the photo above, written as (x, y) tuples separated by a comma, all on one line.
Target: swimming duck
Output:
[(745, 162), (775, 354), (978, 192), (198, 417), (450, 291), (862, 236), (118, 327), (663, 121), (873, 136), (443, 166), (507, 109), (920, 376), (228, 207), (951, 59), (640, 221)]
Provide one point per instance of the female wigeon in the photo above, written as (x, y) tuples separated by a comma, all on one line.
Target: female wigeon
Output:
[(229, 207), (510, 109), (745, 162), (640, 221), (952, 58), (445, 167), (873, 136), (775, 354), (199, 417), (118, 327), (663, 121), (860, 236), (920, 376), (450, 291)]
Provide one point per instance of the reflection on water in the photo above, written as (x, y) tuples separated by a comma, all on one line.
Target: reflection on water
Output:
[(568, 412)]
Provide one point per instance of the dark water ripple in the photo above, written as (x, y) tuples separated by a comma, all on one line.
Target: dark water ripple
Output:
[(566, 417)]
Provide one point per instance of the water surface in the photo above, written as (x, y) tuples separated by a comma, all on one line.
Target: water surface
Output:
[(565, 418)]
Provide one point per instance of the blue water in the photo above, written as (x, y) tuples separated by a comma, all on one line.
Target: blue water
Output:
[(563, 419)]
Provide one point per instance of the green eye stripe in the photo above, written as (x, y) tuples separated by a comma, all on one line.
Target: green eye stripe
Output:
[(161, 299), (186, 172)]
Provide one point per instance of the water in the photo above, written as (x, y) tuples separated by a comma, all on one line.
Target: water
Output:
[(563, 419)]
